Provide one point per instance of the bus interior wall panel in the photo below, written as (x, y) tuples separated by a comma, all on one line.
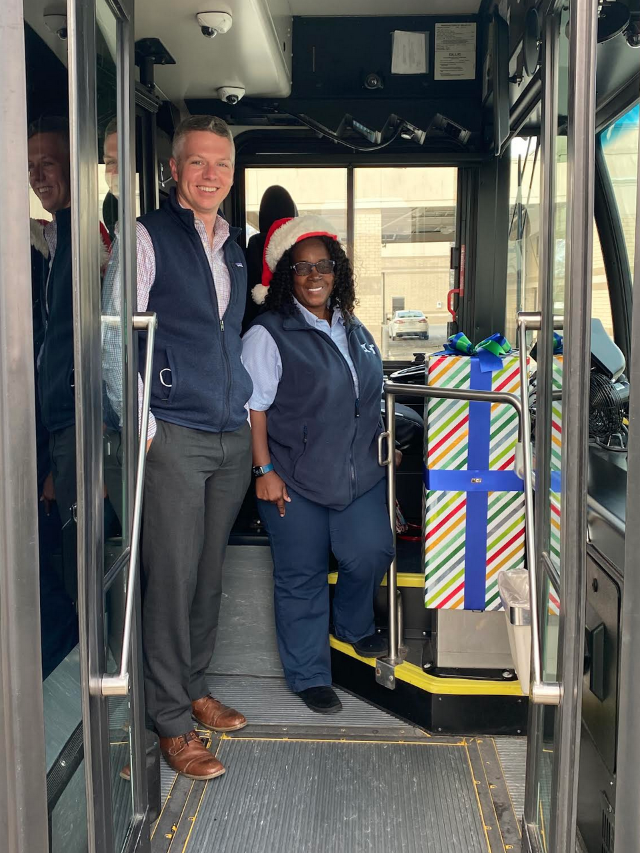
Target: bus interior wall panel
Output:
[(325, 64), (488, 288)]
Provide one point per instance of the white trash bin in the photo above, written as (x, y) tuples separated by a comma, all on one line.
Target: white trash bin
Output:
[(514, 591)]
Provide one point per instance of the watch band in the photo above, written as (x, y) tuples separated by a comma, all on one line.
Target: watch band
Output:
[(260, 470)]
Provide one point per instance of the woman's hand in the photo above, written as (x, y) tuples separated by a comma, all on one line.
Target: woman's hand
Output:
[(272, 488), (398, 458)]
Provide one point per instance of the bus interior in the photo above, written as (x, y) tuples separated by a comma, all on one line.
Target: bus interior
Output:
[(478, 160)]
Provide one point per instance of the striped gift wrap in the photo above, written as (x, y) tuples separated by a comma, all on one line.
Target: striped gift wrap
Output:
[(474, 503)]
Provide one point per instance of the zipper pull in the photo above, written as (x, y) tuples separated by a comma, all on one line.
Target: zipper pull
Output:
[(222, 325), (304, 434), (357, 407)]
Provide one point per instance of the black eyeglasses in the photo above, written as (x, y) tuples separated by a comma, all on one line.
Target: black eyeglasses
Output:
[(324, 267)]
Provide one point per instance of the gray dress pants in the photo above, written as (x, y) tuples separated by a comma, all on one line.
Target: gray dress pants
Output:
[(194, 486)]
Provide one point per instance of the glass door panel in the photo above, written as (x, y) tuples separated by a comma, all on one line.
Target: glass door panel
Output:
[(48, 149), (116, 408), (561, 438), (548, 439)]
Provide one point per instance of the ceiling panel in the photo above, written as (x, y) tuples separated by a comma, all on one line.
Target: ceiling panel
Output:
[(254, 54)]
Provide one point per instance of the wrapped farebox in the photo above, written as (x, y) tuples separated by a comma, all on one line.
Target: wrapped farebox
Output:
[(474, 524)]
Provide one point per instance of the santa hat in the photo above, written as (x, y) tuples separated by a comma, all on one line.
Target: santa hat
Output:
[(283, 234)]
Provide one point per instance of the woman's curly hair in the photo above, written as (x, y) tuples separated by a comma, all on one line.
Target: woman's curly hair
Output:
[(343, 296)]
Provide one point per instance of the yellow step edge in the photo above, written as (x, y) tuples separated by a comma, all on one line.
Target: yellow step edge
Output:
[(412, 674), (405, 579)]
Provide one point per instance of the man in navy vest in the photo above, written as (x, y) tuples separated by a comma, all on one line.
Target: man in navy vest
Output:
[(49, 176), (191, 272)]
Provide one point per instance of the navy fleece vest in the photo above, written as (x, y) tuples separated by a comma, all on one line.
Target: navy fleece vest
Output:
[(55, 370), (322, 438), (198, 379)]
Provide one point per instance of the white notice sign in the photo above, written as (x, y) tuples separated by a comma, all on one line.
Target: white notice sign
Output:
[(455, 52), (409, 54)]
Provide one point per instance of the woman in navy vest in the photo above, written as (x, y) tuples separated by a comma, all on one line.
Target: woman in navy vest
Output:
[(315, 420)]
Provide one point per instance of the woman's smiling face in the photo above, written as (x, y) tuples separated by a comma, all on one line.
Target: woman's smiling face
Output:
[(313, 290)]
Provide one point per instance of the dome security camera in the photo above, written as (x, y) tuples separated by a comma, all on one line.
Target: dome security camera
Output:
[(57, 24), (230, 94), (213, 23)]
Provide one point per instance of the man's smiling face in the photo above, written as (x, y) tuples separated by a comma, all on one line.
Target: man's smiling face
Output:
[(49, 170), (203, 171)]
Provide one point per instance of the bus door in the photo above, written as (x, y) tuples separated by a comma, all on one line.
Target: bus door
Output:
[(111, 460), (74, 744), (561, 419)]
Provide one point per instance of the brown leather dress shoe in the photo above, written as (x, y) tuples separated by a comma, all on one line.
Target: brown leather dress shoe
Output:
[(187, 754), (215, 716)]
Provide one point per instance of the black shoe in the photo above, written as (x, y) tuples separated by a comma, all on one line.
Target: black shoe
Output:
[(373, 646), (322, 700)]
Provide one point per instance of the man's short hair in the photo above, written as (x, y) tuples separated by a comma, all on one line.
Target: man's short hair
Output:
[(50, 124), (211, 123), (112, 127)]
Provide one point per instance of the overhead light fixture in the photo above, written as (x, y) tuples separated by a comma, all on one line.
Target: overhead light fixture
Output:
[(212, 23)]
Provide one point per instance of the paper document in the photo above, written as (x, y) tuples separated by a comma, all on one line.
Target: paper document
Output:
[(409, 53), (455, 52)]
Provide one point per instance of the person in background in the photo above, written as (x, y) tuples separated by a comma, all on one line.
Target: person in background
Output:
[(315, 420), (49, 177), (58, 618), (276, 203)]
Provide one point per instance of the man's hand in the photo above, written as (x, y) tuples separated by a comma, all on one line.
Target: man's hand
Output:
[(271, 488), (149, 440), (398, 458), (48, 495)]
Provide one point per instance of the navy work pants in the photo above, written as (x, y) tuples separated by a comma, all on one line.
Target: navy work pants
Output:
[(360, 538)]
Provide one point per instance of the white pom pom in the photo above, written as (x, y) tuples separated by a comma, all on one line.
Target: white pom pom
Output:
[(259, 293)]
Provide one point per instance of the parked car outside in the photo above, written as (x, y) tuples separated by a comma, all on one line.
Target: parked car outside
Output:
[(408, 323)]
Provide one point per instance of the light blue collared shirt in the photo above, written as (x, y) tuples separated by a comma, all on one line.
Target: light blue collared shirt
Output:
[(261, 356)]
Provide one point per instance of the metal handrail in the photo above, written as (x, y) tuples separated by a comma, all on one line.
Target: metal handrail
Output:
[(541, 692), (391, 390), (118, 685)]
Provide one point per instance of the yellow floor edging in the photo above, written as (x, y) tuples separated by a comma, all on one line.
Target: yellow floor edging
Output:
[(412, 674), (405, 579)]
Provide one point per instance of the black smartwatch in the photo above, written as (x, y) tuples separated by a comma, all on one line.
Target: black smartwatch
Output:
[(261, 470)]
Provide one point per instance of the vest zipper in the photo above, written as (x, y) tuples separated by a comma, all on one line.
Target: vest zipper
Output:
[(223, 348), (352, 468)]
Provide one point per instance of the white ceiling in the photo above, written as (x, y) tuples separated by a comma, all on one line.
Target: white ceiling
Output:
[(255, 54), (383, 7)]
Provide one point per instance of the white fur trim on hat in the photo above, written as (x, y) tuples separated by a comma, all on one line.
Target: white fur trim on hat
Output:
[(259, 293), (299, 228)]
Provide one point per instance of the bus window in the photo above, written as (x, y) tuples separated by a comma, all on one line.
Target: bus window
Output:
[(404, 224), (600, 300), (620, 147), (319, 191), (524, 226)]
